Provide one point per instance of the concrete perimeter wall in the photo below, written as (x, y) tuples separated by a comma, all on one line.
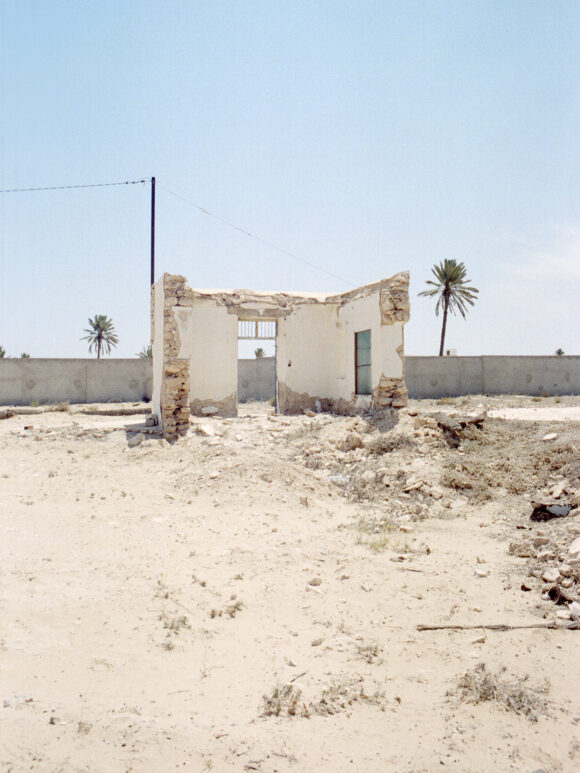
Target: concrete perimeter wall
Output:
[(453, 376), (24, 381), (256, 379)]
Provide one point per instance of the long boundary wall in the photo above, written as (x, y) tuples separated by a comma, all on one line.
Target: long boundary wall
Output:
[(23, 381), (256, 379), (524, 375)]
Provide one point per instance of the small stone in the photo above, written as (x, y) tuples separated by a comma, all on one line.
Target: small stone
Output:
[(563, 614), (215, 474), (566, 570), (539, 541), (315, 581), (206, 430), (551, 575), (559, 489), (568, 582), (574, 610), (366, 587), (574, 548), (135, 440), (406, 529), (351, 441), (436, 492), (209, 410), (550, 436), (546, 555), (291, 663), (316, 642), (482, 572), (412, 485)]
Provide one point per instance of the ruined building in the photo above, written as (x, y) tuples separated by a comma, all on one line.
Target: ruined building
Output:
[(341, 353)]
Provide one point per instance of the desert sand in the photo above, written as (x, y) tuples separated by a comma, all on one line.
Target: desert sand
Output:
[(248, 597)]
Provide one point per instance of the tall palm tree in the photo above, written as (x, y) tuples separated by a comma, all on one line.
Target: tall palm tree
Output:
[(453, 292), (101, 335), (146, 353)]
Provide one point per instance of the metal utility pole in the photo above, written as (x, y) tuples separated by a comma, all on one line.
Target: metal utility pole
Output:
[(152, 231)]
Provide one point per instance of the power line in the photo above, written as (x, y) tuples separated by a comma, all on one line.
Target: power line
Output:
[(69, 187), (253, 236)]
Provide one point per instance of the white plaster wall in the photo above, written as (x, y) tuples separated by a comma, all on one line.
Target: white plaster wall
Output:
[(365, 314), (309, 339), (158, 331), (209, 337), (319, 341)]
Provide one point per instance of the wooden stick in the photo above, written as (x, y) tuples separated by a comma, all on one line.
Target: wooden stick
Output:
[(572, 626)]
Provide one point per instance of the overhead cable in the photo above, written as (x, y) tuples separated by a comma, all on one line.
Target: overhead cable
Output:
[(256, 238), (69, 187)]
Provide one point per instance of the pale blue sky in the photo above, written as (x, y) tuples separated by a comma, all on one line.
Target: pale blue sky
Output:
[(366, 137)]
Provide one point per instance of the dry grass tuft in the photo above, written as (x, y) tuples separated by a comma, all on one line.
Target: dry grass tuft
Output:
[(479, 686), (284, 700), (371, 653), (340, 695), (386, 443)]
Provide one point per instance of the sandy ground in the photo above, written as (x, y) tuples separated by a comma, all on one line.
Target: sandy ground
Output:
[(248, 598)]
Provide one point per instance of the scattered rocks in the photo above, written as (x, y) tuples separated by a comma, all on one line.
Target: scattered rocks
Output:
[(551, 575)]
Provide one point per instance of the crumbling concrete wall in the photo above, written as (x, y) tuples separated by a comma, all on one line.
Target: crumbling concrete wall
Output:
[(316, 350), (210, 343), (196, 340), (171, 309)]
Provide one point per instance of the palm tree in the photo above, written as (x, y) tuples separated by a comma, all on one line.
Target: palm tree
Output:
[(146, 353), (2, 352), (453, 291), (259, 352), (101, 334)]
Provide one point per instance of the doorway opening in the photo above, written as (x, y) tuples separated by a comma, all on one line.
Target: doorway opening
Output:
[(257, 381)]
